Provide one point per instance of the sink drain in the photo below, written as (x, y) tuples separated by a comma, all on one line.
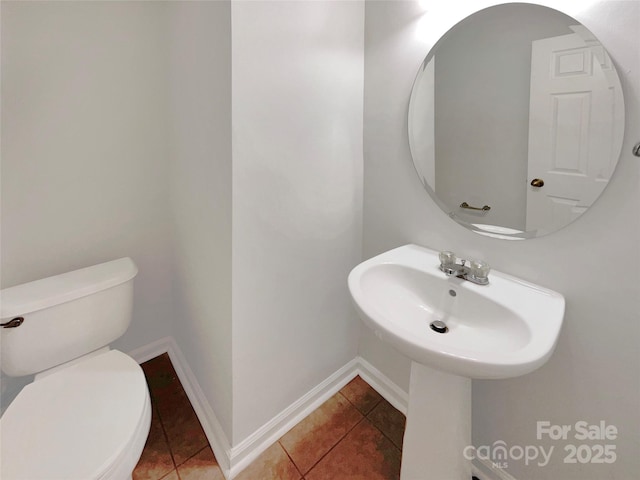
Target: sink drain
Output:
[(439, 326)]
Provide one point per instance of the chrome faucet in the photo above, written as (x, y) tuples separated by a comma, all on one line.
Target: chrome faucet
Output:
[(476, 272)]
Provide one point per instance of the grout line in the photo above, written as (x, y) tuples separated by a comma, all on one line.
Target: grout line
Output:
[(377, 403), (164, 433), (364, 416), (372, 408), (153, 394), (393, 444), (337, 443), (354, 405), (371, 411), (383, 433), (178, 388), (289, 456), (169, 473), (166, 437), (203, 448)]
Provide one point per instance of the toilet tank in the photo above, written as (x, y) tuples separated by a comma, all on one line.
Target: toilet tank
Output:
[(65, 316)]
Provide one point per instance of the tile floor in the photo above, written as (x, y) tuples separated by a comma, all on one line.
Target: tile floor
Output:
[(355, 435)]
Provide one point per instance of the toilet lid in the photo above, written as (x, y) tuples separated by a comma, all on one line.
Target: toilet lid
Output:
[(74, 423)]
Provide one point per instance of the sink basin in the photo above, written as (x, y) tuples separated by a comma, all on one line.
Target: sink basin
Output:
[(504, 329)]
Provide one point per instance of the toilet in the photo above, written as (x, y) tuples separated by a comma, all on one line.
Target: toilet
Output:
[(87, 414)]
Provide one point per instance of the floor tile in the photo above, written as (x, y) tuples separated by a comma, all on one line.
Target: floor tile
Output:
[(313, 437), (389, 421), (159, 364), (361, 395), (273, 464), (200, 467), (364, 454), (161, 378), (156, 460), (335, 442), (171, 476), (184, 432)]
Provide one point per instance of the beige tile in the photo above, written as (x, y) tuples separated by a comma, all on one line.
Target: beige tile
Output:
[(273, 464), (314, 436), (361, 395), (364, 454), (171, 476), (389, 421), (200, 467), (155, 461), (184, 432)]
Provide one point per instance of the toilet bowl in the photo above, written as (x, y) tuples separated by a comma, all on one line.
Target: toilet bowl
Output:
[(87, 414)]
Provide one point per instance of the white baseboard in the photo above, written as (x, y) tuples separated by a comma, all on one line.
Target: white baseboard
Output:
[(391, 392), (250, 448), (233, 460), (256, 443), (151, 350)]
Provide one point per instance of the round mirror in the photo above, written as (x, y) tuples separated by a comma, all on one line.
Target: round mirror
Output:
[(516, 121)]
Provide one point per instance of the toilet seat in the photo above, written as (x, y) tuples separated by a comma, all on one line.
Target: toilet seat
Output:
[(81, 422)]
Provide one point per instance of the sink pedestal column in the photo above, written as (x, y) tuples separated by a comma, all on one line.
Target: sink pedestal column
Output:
[(438, 426)]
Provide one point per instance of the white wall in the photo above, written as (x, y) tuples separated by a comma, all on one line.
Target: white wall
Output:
[(200, 73), (594, 373), (84, 149), (117, 141), (297, 199)]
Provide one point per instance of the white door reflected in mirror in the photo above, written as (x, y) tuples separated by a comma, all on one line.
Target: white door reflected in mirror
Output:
[(575, 123), (513, 93)]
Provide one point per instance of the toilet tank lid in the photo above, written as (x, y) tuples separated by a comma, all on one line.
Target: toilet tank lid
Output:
[(51, 291)]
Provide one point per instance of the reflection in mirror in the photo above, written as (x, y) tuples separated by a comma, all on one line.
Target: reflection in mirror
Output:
[(516, 121)]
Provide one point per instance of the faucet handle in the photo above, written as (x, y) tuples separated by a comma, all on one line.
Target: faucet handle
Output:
[(479, 270), (447, 258)]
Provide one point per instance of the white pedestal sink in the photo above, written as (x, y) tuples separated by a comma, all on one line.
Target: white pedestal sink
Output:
[(504, 329), (438, 426)]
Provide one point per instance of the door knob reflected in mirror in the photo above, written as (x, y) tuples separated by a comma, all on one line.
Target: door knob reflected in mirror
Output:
[(537, 182)]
